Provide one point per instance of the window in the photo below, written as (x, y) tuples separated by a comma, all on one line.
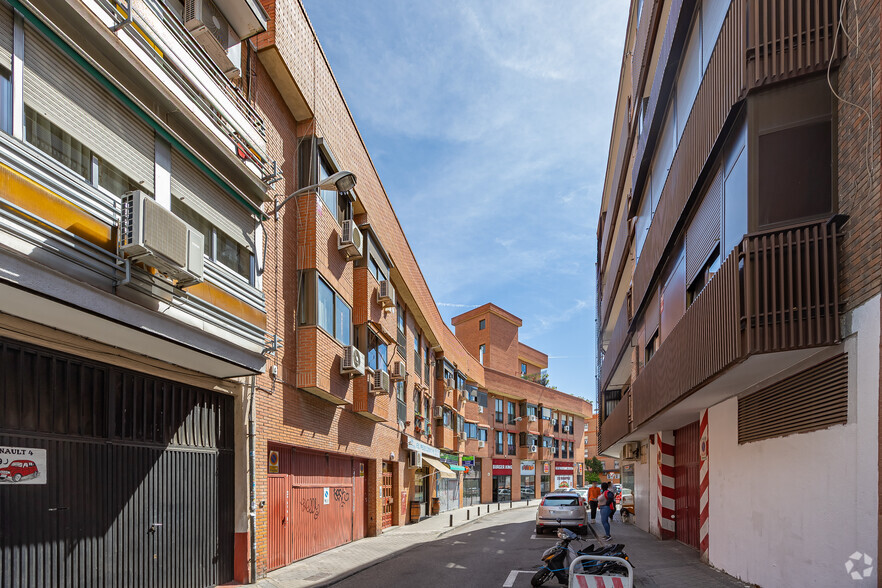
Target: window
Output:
[(554, 422), (546, 442), (527, 410), (448, 417), (471, 430), (428, 407), (500, 449), (402, 402), (512, 448), (460, 424), (321, 306), (546, 414), (376, 352), (5, 100), (704, 276), (460, 381), (572, 453), (375, 270), (216, 245), (523, 369), (481, 354), (417, 363), (651, 347), (556, 448), (417, 401), (482, 398), (338, 205), (481, 324), (482, 434), (528, 440), (426, 363), (402, 338), (511, 412), (499, 410)]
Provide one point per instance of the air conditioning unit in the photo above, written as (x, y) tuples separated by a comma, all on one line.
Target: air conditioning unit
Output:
[(462, 435), (533, 448), (439, 412), (414, 460), (631, 451), (450, 383), (532, 418), (210, 28), (566, 429), (386, 294), (380, 383), (156, 237), (480, 409), (481, 444), (349, 241), (399, 371), (353, 361)]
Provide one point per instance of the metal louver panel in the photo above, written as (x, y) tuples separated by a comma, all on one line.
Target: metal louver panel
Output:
[(208, 199), (704, 230), (62, 92), (813, 399), (5, 36)]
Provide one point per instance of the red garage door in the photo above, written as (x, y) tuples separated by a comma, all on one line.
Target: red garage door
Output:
[(686, 481)]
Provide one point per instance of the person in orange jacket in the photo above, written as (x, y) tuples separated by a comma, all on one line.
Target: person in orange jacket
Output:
[(593, 494)]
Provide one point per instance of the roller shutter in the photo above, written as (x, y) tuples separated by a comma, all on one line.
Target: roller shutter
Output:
[(5, 36), (704, 230), (202, 195), (64, 93)]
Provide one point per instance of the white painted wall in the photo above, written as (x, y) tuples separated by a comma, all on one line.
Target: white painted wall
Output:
[(789, 511), (653, 490)]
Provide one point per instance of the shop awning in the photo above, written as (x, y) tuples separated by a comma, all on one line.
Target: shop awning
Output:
[(435, 463)]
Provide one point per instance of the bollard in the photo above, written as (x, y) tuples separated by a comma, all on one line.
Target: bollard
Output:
[(451, 520), (468, 515), (528, 502), (510, 504), (498, 506)]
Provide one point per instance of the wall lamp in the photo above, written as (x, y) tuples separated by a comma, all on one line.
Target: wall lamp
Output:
[(342, 181)]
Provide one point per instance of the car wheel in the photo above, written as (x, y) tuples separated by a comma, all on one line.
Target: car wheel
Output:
[(538, 530), (583, 531), (540, 577), (16, 477)]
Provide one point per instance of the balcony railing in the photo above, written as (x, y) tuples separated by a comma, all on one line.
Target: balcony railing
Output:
[(777, 291)]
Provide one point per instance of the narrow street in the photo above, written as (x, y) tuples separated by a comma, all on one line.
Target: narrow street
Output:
[(502, 551)]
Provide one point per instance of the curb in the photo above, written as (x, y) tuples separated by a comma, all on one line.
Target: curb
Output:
[(465, 523)]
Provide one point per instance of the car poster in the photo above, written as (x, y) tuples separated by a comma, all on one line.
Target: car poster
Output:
[(22, 465)]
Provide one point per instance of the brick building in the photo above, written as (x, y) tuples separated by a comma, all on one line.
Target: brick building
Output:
[(610, 471), (739, 277)]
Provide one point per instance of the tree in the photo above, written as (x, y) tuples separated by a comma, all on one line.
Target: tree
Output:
[(593, 469)]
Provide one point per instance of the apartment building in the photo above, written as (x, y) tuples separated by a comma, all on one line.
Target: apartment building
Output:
[(738, 279), (531, 434), (610, 471), (132, 316)]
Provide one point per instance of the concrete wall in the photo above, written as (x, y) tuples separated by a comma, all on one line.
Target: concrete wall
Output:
[(789, 511), (642, 487)]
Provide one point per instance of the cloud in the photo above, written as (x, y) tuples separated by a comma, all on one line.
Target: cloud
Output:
[(456, 305)]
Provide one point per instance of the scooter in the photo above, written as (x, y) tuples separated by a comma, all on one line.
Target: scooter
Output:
[(557, 559)]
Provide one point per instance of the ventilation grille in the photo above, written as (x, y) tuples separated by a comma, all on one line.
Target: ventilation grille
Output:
[(814, 399), (164, 233)]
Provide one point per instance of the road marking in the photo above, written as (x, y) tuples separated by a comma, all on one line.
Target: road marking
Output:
[(513, 575), (535, 536)]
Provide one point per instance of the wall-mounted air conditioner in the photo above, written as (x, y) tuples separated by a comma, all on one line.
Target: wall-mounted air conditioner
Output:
[(631, 450), (450, 383), (414, 459), (481, 444), (380, 382), (533, 448), (156, 237), (350, 240), (211, 30), (386, 294), (480, 409), (399, 371), (532, 418), (352, 362), (439, 412)]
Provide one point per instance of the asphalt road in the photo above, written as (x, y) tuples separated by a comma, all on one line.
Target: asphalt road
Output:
[(499, 550)]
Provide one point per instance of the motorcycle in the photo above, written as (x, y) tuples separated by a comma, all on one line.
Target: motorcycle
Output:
[(557, 559)]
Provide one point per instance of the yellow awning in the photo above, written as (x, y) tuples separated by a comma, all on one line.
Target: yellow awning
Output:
[(446, 472)]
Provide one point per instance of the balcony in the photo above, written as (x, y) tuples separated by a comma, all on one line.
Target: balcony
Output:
[(777, 293), (544, 454), (445, 438), (769, 52), (369, 404), (619, 342), (366, 307), (318, 366)]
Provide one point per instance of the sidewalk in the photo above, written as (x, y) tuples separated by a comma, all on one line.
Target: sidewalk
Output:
[(341, 562), (664, 563)]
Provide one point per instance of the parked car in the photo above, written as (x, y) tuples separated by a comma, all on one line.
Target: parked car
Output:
[(19, 470), (562, 509), (583, 492)]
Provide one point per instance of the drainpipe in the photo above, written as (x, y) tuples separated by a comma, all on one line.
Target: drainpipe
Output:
[(252, 490)]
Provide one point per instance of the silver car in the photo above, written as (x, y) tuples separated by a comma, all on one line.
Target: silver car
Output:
[(562, 509)]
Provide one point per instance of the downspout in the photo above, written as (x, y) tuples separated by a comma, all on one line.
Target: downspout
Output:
[(252, 489)]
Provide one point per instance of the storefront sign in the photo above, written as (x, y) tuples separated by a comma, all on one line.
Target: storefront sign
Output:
[(563, 482), (274, 462), (580, 468), (449, 458), (424, 448), (546, 468), (528, 468), (563, 468), (501, 467), (22, 465), (468, 460)]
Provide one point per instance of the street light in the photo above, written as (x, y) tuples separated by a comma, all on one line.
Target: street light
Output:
[(342, 181)]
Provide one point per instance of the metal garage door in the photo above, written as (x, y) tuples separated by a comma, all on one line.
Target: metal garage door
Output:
[(686, 484), (138, 478)]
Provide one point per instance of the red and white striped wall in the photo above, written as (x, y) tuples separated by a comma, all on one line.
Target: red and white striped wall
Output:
[(666, 492), (704, 487)]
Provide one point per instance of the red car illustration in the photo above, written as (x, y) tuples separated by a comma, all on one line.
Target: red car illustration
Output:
[(19, 470)]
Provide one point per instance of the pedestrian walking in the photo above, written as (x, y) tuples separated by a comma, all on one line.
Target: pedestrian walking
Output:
[(606, 498), (593, 494)]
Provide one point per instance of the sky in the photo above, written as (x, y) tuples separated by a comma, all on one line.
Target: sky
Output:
[(489, 125)]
